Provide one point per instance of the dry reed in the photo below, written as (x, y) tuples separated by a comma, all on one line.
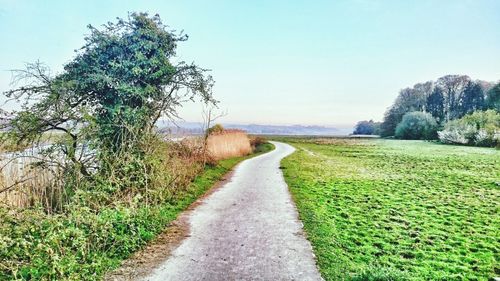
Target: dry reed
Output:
[(228, 143), (22, 184)]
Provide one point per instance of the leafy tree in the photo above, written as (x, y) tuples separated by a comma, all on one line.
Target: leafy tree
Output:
[(472, 99), (392, 117), (435, 104), (109, 97), (450, 97), (453, 87), (367, 128), (493, 98), (409, 99), (417, 126)]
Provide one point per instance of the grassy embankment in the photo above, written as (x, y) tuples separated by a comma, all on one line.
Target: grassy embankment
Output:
[(84, 244), (398, 210)]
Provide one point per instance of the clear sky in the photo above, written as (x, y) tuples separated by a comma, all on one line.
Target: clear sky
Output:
[(283, 62)]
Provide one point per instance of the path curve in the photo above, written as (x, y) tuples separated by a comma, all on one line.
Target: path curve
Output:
[(246, 230)]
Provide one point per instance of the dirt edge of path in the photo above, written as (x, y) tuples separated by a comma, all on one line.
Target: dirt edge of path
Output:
[(140, 264)]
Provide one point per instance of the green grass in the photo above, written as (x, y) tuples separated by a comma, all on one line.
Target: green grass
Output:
[(83, 244), (398, 210)]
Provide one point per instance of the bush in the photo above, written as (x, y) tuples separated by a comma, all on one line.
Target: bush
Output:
[(367, 128), (481, 128), (215, 129), (255, 141), (417, 126)]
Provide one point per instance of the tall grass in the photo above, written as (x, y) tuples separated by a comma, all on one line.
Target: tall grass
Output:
[(109, 218), (24, 183), (228, 143)]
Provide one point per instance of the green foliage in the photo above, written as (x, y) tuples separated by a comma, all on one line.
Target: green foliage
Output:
[(448, 98), (397, 210), (493, 98), (264, 147), (215, 129), (83, 244), (435, 104), (471, 99), (409, 99), (125, 71), (367, 128), (417, 126), (481, 128), (106, 102), (392, 117)]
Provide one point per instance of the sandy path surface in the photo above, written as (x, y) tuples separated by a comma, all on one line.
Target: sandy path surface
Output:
[(247, 230)]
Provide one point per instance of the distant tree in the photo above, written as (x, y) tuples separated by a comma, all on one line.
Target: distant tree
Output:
[(421, 92), (392, 117), (435, 104), (417, 126), (450, 97), (493, 98), (471, 99), (453, 87), (215, 129), (367, 128), (409, 99)]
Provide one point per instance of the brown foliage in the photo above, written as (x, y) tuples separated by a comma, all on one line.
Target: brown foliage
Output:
[(228, 143)]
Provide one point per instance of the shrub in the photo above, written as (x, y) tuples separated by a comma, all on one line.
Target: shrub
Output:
[(216, 129), (367, 128), (256, 141), (103, 223), (417, 126), (481, 128)]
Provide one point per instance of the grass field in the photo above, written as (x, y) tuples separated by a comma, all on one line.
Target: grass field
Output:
[(398, 210)]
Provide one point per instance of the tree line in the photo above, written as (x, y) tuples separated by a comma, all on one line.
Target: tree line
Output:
[(432, 105)]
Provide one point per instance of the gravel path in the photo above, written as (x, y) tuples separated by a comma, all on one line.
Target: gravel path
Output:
[(246, 230)]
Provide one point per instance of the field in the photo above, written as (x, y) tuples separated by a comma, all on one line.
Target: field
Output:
[(398, 210)]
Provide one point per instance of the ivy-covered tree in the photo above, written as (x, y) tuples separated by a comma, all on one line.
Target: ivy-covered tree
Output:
[(109, 97)]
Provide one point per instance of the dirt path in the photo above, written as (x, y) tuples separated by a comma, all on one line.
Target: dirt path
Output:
[(246, 230)]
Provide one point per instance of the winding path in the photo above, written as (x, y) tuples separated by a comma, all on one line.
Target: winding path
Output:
[(246, 230)]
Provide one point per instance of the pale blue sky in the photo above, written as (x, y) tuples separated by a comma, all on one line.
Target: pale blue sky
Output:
[(284, 62)]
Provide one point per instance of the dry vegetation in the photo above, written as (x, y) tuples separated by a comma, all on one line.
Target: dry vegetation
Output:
[(228, 143), (23, 183), (98, 227)]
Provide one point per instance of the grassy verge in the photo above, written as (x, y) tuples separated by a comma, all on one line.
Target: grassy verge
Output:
[(84, 244), (398, 210)]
